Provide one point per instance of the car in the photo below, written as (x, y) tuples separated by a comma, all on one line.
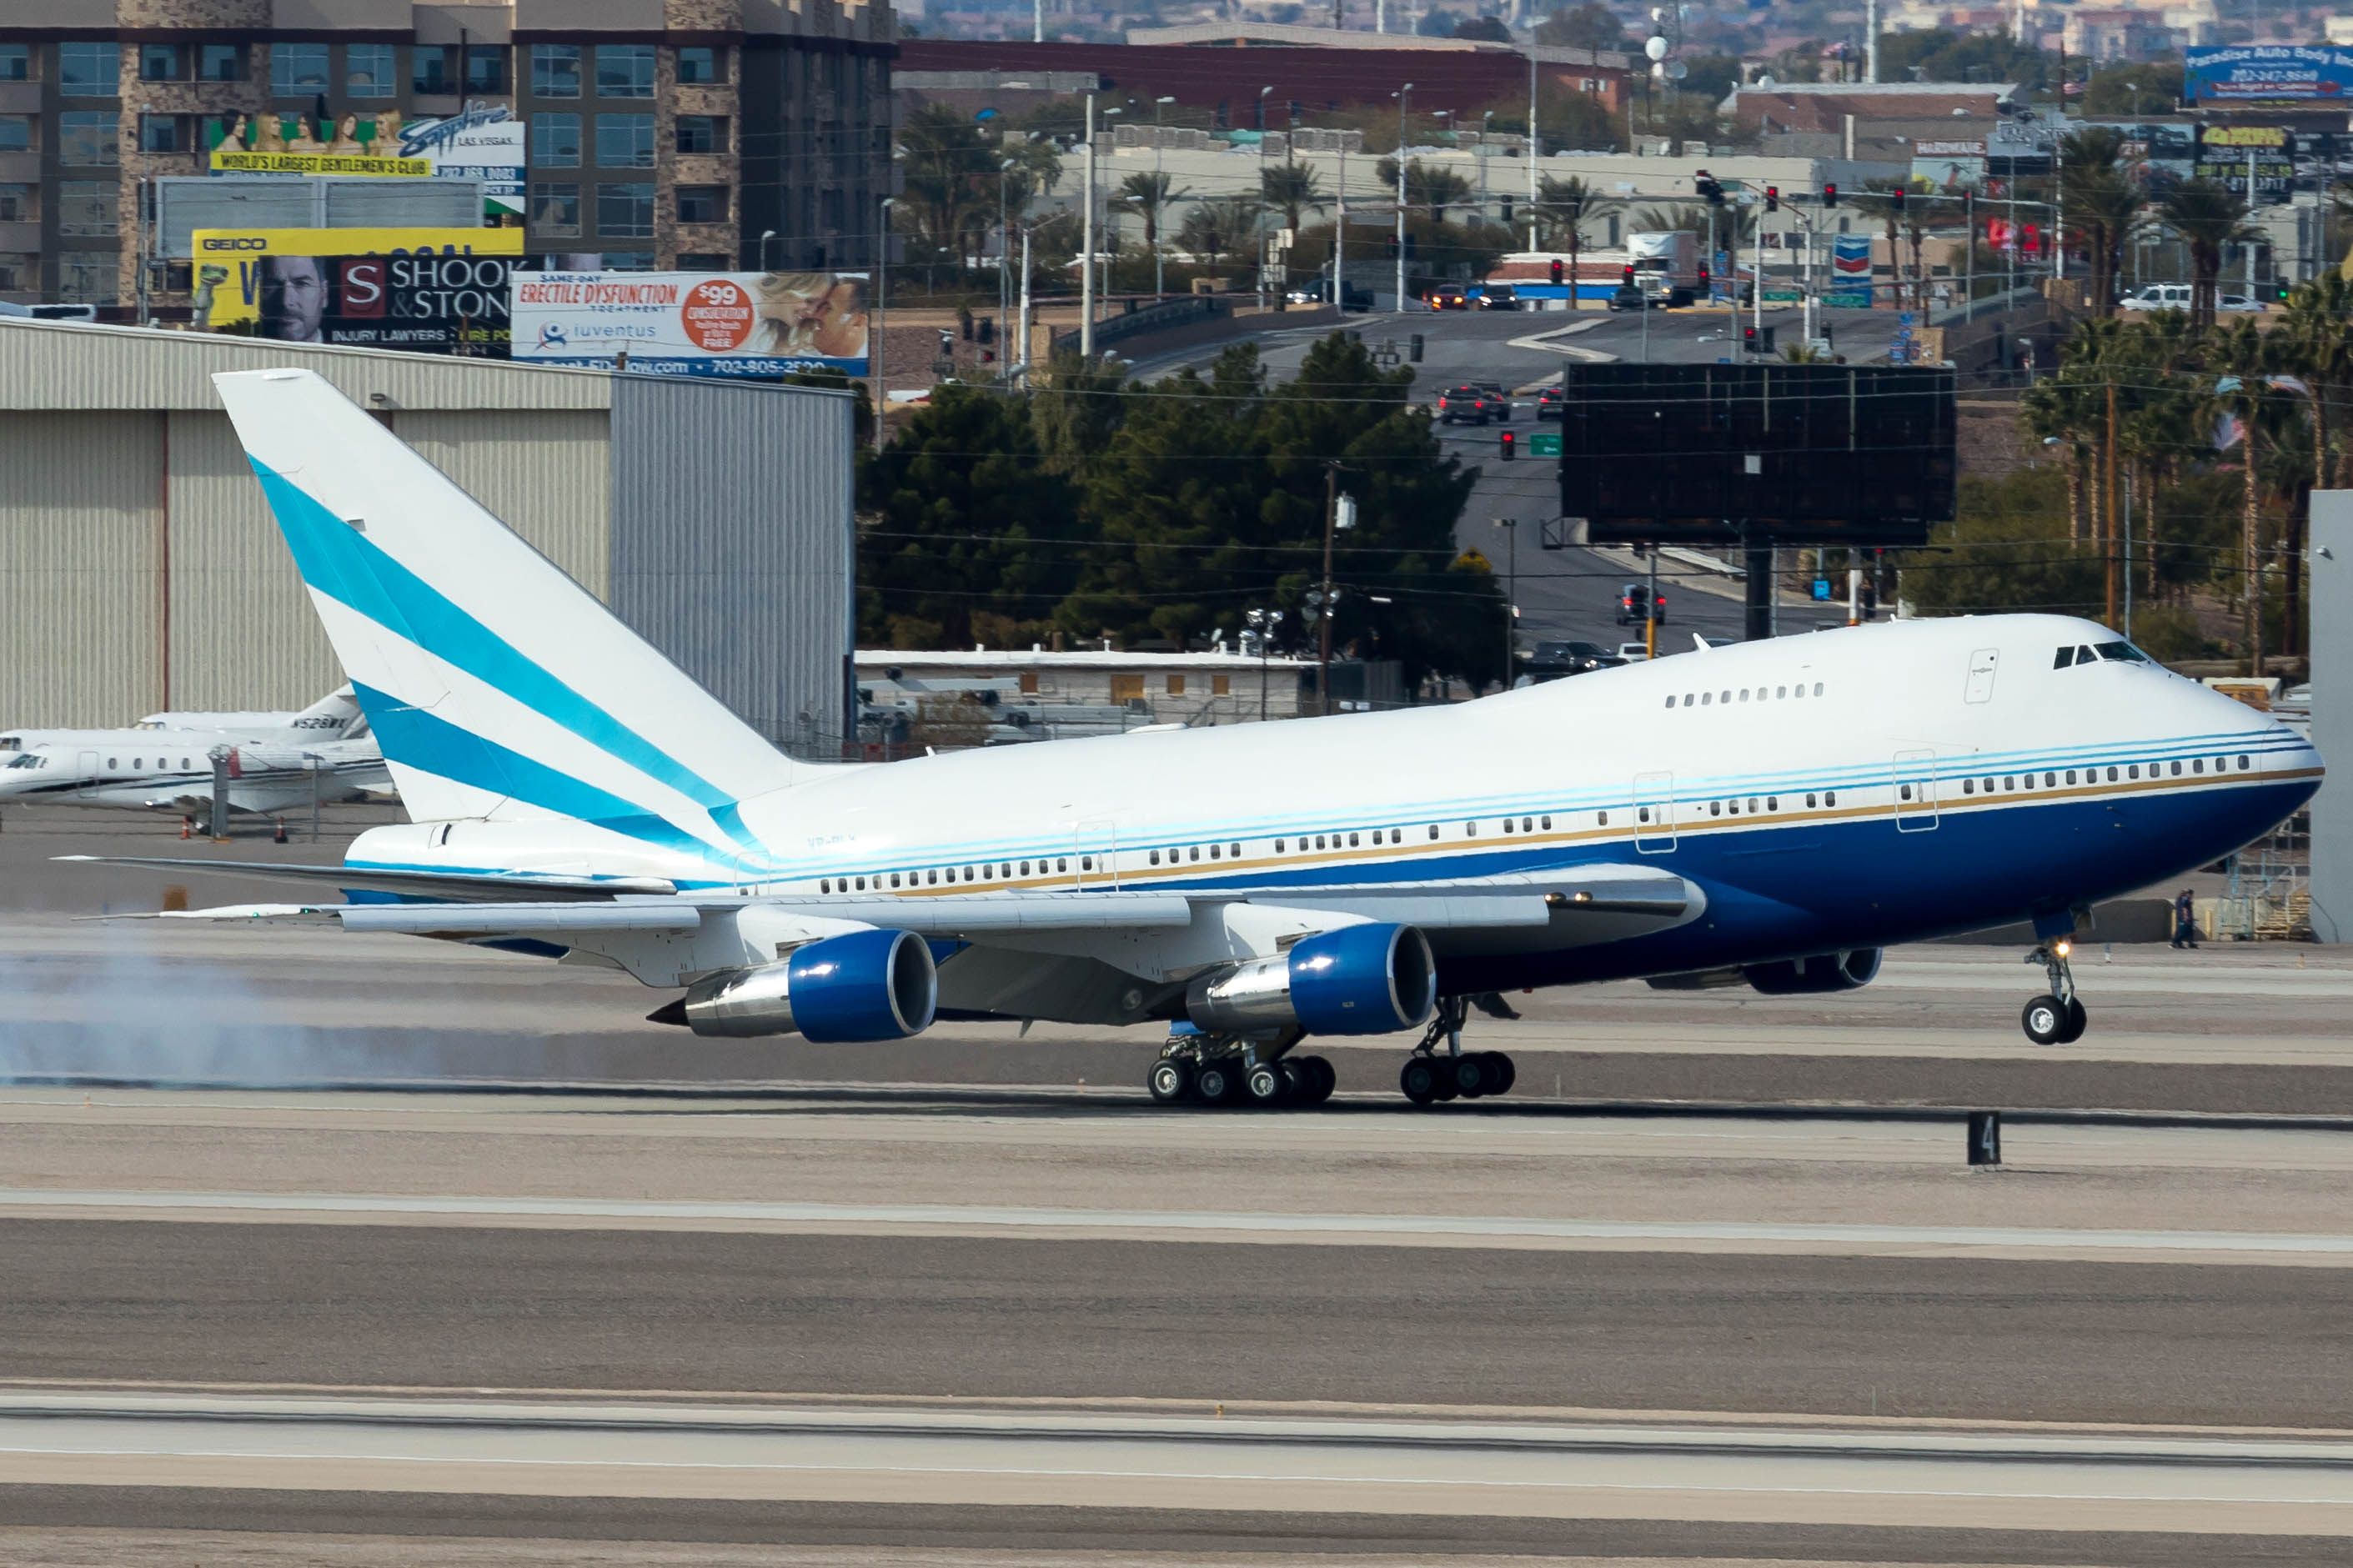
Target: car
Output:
[(1635, 605), (2236, 302), (1633, 652), (1552, 403), (1626, 297), (1473, 403), (1556, 660), (2158, 297), (1498, 297), (1448, 297), (1352, 296)]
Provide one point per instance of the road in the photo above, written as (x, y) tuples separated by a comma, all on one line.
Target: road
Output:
[(349, 1249), (1569, 593)]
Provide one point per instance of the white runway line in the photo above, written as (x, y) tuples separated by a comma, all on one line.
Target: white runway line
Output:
[(1526, 1469), (1567, 1234)]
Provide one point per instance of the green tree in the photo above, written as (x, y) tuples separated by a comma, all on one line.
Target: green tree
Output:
[(1942, 55), (1588, 25), (2317, 345), (2209, 219), (1219, 227), (2007, 549), (1431, 187), (1294, 189), (1564, 208), (2152, 87), (948, 183), (1149, 195), (2102, 192), (1483, 29), (2246, 360), (960, 517)]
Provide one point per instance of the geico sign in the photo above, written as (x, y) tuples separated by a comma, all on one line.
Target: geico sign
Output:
[(233, 242)]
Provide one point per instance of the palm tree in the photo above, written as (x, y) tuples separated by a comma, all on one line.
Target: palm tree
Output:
[(1149, 195), (1216, 228), (2248, 359), (2318, 343), (2210, 220), (1293, 189), (1563, 206), (1434, 186), (2101, 189)]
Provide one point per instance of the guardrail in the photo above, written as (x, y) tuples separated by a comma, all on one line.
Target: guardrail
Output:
[(1140, 319)]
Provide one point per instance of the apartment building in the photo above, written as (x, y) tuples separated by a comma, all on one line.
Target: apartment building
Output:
[(660, 134)]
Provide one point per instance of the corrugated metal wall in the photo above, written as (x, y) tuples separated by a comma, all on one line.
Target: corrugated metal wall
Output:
[(80, 598), (544, 473), (243, 636), (732, 544)]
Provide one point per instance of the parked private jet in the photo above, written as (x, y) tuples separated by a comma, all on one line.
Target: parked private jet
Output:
[(334, 717), (1782, 811), (173, 770)]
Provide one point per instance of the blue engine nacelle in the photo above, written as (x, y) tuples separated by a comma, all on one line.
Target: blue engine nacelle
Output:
[(1848, 971), (1357, 980), (866, 986)]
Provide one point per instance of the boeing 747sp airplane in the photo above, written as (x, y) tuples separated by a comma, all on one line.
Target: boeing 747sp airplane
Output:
[(1781, 811)]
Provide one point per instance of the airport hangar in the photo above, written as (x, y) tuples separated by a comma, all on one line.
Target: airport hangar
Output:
[(139, 569)]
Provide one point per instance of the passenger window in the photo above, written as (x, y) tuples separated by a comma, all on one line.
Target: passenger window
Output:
[(1671, 701), (1905, 792), (1780, 692), (1707, 698), (114, 761), (1547, 824), (1817, 688), (2133, 772), (1968, 786), (2071, 775), (1433, 830), (1470, 830), (1397, 835), (1809, 802), (1213, 851), (1278, 845), (1725, 697), (1507, 825), (1352, 841), (1087, 862), (1772, 803), (1196, 855), (1602, 818), (2245, 764), (2009, 780), (894, 878), (1715, 808), (1743, 694), (823, 886), (1752, 806), (1319, 841), (1155, 856), (1234, 850), (2177, 767), (2050, 781), (1687, 699), (1829, 796), (931, 878)]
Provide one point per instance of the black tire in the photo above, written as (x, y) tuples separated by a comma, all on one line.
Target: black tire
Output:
[(2077, 1021), (1217, 1082), (1267, 1085), (1472, 1076), (1418, 1079), (1170, 1081), (1327, 1079), (2044, 1019), (1506, 1073)]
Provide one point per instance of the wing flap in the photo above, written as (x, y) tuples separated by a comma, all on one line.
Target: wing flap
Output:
[(464, 887)]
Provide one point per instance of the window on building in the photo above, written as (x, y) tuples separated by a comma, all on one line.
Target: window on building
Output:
[(625, 71), (1175, 686), (298, 70), (1127, 688), (89, 69), (15, 133), (86, 277), (556, 141), (163, 62), (220, 62), (630, 260), (626, 211), (87, 138), (17, 204), (555, 70), (16, 62), (163, 133), (486, 69), (696, 67), (625, 141), (704, 261), (433, 71), (702, 133), (705, 203), (555, 208), (1221, 685), (88, 208), (20, 273), (368, 70)]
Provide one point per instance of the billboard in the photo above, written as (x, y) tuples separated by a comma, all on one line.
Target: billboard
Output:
[(2267, 74), (737, 324), (421, 301), (233, 266), (2227, 153), (483, 142), (1851, 270)]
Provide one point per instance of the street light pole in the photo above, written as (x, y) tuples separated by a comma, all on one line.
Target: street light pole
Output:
[(766, 235), (1087, 249), (1160, 206), (1261, 195), (1404, 94), (1532, 165), (1511, 527), (882, 365)]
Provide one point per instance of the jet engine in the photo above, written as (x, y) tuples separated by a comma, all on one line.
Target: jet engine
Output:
[(1848, 971), (864, 985), (1357, 980)]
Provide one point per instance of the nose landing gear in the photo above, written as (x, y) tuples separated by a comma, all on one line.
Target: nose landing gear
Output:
[(1430, 1075), (2057, 1019)]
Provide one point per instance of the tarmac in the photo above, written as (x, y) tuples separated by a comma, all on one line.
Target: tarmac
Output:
[(353, 1250)]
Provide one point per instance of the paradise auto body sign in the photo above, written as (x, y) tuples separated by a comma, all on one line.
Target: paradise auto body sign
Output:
[(2267, 74), (739, 324)]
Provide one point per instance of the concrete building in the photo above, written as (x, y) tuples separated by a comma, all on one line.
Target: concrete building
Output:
[(143, 570), (660, 132), (1159, 688)]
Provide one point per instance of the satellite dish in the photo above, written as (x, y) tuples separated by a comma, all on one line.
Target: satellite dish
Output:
[(1677, 70), (1656, 48), (1764, 80)]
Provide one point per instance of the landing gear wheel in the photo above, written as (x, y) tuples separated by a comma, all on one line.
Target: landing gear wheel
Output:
[(1217, 1082), (2077, 1022), (1448, 1089), (1267, 1085), (1171, 1080), (1473, 1075), (1418, 1079), (1327, 1079), (2045, 1021), (1506, 1072)]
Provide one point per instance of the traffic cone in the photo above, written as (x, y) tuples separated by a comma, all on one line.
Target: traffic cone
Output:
[(186, 825), (279, 836)]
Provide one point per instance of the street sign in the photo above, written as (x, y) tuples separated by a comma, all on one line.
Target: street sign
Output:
[(1543, 445), (1821, 588)]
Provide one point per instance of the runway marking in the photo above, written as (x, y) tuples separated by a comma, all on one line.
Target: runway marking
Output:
[(1342, 1229)]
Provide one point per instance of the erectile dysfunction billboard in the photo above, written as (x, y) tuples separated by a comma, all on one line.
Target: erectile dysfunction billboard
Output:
[(736, 324)]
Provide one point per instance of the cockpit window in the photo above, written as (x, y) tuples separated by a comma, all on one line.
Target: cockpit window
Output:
[(2066, 657), (29, 760), (2124, 652)]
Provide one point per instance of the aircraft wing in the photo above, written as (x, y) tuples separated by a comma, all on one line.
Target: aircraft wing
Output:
[(445, 885)]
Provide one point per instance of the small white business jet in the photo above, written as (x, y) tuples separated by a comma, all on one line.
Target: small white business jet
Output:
[(1776, 811)]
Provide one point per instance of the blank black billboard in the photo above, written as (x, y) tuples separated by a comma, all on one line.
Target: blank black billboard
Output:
[(1710, 454)]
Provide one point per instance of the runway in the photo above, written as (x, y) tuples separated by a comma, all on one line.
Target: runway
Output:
[(1713, 1286)]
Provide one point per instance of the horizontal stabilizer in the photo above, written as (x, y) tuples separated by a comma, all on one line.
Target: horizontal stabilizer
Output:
[(463, 886)]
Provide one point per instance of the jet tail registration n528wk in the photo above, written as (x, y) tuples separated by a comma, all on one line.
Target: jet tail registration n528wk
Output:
[(1780, 810)]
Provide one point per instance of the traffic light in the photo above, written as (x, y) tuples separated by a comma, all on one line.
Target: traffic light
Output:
[(1772, 198), (1510, 445), (1711, 189), (1626, 276), (1703, 278), (1748, 339), (2280, 290), (1557, 272), (1895, 199), (1830, 195)]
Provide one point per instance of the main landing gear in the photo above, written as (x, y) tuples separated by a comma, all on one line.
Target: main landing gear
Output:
[(1196, 1069), (1430, 1074), (2057, 1019)]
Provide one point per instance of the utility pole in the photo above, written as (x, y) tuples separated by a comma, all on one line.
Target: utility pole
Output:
[(1324, 619), (1087, 249), (1532, 163), (882, 357), (1404, 93), (1024, 328), (2115, 593), (1870, 40), (1511, 527), (1340, 240), (1261, 196)]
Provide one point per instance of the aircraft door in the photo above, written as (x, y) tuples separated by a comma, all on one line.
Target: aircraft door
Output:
[(1096, 863), (1982, 665), (1916, 791), (85, 764), (1654, 812)]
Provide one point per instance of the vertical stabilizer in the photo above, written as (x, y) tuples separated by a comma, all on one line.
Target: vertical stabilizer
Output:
[(498, 687)]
